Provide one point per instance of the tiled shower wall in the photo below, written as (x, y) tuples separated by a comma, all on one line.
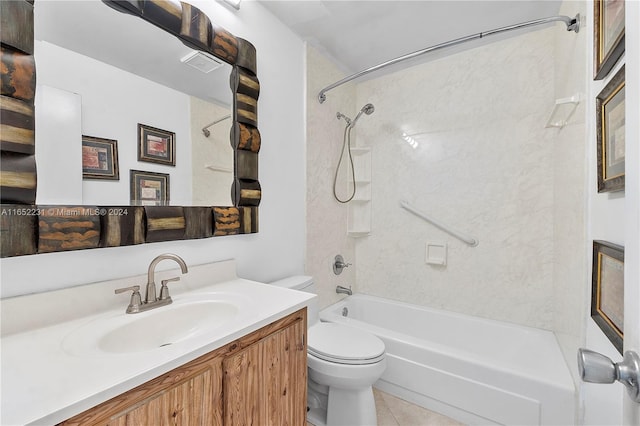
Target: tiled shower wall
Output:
[(571, 284), (483, 165), (326, 218)]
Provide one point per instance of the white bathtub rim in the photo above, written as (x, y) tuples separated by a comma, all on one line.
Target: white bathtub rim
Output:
[(562, 378), (436, 310)]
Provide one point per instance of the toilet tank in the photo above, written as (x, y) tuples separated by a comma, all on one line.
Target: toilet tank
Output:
[(302, 283)]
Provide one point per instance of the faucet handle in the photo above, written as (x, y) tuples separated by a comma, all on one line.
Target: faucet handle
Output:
[(135, 289), (136, 299), (339, 264), (164, 290)]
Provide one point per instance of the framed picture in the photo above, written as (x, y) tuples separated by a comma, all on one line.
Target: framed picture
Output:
[(149, 189), (608, 35), (610, 123), (156, 145), (607, 292), (99, 158)]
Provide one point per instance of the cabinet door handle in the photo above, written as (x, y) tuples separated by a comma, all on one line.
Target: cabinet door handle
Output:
[(597, 368)]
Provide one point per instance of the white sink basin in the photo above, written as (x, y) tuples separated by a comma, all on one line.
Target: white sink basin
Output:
[(155, 329)]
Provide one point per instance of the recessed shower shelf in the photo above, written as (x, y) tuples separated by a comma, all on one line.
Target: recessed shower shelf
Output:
[(562, 111), (359, 209)]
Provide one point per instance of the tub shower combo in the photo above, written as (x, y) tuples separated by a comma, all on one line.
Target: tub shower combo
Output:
[(478, 371)]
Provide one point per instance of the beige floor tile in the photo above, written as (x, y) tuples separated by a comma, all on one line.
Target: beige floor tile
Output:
[(385, 416), (392, 411), (408, 414)]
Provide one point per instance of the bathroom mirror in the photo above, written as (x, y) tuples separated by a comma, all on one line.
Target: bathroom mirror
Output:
[(30, 226), (137, 73)]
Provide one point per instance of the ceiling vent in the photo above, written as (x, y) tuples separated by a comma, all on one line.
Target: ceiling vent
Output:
[(201, 61)]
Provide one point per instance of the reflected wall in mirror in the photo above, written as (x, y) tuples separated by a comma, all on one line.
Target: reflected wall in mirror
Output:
[(137, 74), (76, 82)]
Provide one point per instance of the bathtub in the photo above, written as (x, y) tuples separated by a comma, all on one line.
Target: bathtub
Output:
[(474, 370)]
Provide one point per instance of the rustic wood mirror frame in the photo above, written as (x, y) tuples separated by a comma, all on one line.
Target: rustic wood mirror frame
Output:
[(27, 228)]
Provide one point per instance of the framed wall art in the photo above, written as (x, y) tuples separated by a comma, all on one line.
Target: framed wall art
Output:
[(608, 35), (149, 188), (607, 291), (99, 158), (156, 145), (610, 136)]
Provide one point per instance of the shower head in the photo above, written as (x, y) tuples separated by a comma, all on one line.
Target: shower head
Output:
[(367, 109)]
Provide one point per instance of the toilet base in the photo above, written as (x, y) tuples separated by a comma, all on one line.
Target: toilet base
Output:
[(351, 407), (332, 406)]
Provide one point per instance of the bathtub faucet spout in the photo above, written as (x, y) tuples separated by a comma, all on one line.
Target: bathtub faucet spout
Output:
[(344, 290)]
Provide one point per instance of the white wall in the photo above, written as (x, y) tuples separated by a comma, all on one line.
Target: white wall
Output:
[(113, 103), (615, 217), (484, 165), (632, 210), (602, 404), (279, 249)]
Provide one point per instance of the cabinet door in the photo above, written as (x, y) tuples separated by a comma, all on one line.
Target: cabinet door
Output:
[(266, 383), (188, 395), (188, 403)]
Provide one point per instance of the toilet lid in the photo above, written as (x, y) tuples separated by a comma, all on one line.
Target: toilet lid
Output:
[(341, 344)]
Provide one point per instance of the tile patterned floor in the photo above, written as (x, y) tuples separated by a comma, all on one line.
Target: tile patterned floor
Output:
[(394, 411)]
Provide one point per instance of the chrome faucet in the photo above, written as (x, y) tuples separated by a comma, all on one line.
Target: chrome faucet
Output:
[(344, 290), (151, 284), (151, 301)]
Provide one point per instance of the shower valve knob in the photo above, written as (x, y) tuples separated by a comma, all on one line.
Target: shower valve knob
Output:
[(339, 264)]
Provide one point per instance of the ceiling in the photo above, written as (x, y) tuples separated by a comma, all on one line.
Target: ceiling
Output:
[(359, 34)]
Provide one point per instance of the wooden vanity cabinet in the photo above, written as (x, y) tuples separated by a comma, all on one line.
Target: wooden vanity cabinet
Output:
[(259, 379)]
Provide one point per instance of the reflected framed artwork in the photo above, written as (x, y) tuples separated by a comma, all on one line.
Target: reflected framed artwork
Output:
[(99, 158), (610, 134), (607, 291), (608, 35), (156, 145), (149, 188)]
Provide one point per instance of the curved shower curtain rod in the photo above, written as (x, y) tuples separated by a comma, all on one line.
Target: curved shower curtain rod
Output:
[(573, 24)]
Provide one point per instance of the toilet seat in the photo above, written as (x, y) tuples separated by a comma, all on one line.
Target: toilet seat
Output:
[(343, 345)]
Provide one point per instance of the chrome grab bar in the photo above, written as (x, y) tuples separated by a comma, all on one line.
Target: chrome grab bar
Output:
[(473, 242)]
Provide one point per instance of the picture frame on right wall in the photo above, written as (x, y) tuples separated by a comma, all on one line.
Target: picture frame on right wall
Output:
[(607, 291), (610, 134), (608, 35)]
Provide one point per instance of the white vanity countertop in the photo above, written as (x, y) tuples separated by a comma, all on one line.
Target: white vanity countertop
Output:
[(42, 383)]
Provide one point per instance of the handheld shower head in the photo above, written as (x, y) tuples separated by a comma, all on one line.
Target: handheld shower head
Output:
[(367, 109)]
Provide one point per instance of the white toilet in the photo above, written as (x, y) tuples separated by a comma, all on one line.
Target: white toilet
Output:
[(343, 363)]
